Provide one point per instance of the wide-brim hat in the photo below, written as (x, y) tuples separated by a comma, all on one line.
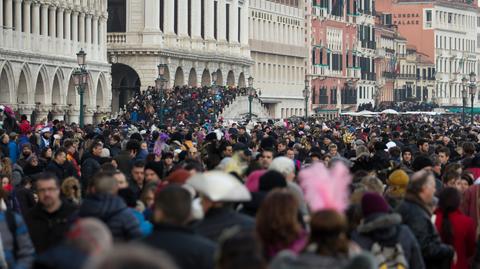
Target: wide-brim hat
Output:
[(220, 187)]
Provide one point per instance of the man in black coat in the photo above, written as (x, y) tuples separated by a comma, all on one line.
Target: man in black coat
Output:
[(220, 216), (103, 203), (60, 166), (50, 219), (416, 214), (91, 163), (172, 211)]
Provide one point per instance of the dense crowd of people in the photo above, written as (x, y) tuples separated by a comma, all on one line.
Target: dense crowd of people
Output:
[(399, 106), (385, 192), (181, 104)]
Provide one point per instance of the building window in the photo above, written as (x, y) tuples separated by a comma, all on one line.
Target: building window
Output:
[(117, 16), (227, 15), (239, 23), (428, 19), (202, 19), (162, 14), (215, 19), (189, 10), (175, 17)]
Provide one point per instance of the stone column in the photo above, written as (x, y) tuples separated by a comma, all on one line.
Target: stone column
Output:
[(151, 31), (102, 37), (52, 21), (169, 8), (182, 18), (74, 115), (42, 112), (26, 16), (103, 32), (244, 24), (99, 117), (36, 18), (208, 20), (196, 19), (81, 28), (74, 26), (8, 13), (234, 22), (221, 21), (60, 23), (44, 22), (1, 16), (152, 15), (58, 112), (95, 31), (26, 109), (88, 29), (68, 20), (88, 116), (18, 15)]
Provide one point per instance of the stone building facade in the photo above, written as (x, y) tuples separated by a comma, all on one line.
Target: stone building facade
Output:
[(447, 33), (193, 37), (39, 40), (335, 57), (278, 44)]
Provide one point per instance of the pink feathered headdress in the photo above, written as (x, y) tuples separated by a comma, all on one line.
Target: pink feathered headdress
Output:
[(324, 188)]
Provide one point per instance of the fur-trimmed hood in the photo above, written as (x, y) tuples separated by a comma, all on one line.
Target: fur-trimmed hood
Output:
[(380, 221)]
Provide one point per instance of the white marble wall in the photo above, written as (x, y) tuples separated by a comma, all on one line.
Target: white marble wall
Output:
[(39, 40)]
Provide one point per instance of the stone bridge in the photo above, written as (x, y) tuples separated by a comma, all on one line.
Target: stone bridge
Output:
[(239, 109)]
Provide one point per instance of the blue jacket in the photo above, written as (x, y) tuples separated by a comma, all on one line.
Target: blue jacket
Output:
[(25, 252), (13, 151), (113, 211), (145, 226)]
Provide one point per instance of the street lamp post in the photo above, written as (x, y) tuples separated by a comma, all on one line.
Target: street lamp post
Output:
[(80, 77), (160, 85), (473, 90), (464, 98), (214, 89), (306, 95), (251, 93)]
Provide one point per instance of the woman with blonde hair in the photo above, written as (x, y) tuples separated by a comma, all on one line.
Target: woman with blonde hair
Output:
[(72, 191)]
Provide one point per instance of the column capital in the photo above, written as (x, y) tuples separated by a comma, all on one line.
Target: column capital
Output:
[(26, 107), (68, 10), (59, 109), (43, 108), (60, 9), (27, 2), (88, 16), (52, 7)]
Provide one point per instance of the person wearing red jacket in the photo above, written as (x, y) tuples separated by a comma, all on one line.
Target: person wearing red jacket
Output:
[(455, 228)]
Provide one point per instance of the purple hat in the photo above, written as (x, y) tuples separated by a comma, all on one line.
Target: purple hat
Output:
[(373, 203)]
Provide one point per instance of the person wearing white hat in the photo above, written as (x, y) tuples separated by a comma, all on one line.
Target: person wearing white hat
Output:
[(45, 136), (218, 190)]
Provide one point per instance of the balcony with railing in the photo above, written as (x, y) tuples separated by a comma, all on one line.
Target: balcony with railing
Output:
[(407, 76), (354, 72), (368, 76), (116, 38), (389, 75)]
